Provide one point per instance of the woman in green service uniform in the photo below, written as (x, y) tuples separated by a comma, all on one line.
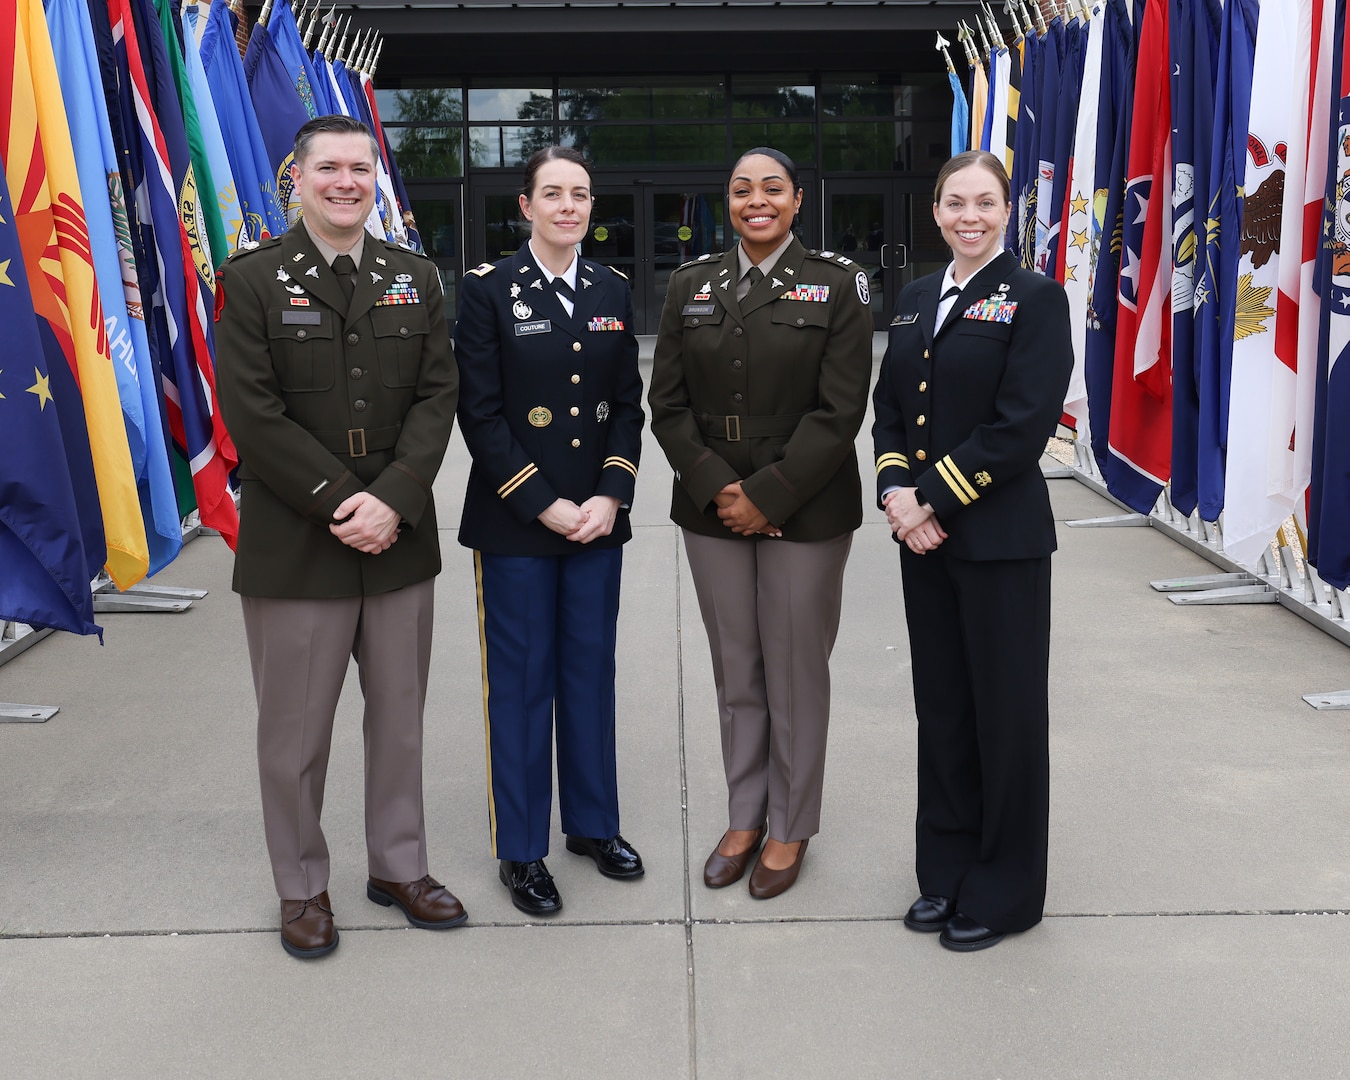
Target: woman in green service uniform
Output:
[(759, 386)]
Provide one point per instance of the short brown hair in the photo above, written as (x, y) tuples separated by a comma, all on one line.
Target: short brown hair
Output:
[(965, 161), (332, 124)]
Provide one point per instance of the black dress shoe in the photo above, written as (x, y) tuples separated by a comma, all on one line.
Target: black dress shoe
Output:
[(964, 934), (531, 886), (614, 855), (929, 914)]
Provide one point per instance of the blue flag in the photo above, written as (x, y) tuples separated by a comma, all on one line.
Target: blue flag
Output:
[(1329, 494), (1025, 158), (286, 36), (96, 162), (1194, 30), (280, 111), (1216, 302), (254, 176), (1066, 123), (1113, 154), (960, 116), (1047, 95), (45, 569)]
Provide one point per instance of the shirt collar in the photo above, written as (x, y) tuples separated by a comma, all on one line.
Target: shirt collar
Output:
[(569, 275), (328, 253), (743, 263), (949, 278)]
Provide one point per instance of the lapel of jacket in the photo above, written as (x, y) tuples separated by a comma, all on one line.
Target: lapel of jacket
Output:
[(980, 285), (372, 279), (302, 261), (927, 301), (720, 276), (590, 297), (543, 299), (785, 273)]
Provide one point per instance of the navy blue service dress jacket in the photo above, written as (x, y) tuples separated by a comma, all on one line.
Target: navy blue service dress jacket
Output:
[(550, 404), (964, 413)]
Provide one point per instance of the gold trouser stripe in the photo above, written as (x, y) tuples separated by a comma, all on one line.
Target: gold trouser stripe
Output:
[(487, 718), (518, 479), (958, 483), (885, 461), (622, 463)]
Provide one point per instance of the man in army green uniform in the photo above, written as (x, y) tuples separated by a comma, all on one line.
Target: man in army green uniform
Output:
[(338, 384)]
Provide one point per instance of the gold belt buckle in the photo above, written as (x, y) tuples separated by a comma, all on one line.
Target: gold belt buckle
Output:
[(355, 435), (733, 428)]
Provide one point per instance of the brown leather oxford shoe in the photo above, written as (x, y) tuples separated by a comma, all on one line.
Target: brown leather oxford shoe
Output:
[(426, 902), (723, 870), (307, 929)]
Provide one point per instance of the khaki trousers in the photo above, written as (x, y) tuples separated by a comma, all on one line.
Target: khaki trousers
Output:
[(299, 650), (771, 610)]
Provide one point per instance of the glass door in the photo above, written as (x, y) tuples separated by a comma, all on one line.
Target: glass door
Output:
[(887, 226), (437, 210), (684, 223)]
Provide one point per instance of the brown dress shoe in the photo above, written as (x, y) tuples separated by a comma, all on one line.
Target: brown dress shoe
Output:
[(765, 884), (723, 870), (307, 929), (426, 902)]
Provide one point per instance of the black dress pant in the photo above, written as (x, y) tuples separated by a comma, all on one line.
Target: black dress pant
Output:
[(979, 640)]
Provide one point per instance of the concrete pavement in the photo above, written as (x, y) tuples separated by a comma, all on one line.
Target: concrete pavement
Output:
[(1198, 918)]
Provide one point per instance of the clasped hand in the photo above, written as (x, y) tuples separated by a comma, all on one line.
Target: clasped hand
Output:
[(916, 526), (365, 523), (582, 524), (740, 514)]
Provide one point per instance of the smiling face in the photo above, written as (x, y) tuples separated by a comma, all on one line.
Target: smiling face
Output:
[(763, 203), (336, 182), (973, 214), (559, 207)]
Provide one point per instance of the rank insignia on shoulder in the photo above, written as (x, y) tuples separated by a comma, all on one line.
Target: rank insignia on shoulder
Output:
[(844, 260), (482, 269), (983, 478), (905, 320), (620, 273), (994, 309)]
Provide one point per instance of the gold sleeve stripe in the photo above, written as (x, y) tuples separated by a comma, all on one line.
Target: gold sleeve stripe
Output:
[(885, 461), (956, 481), (622, 463), (518, 479)]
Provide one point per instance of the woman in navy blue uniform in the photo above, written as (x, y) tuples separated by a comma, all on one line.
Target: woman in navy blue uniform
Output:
[(551, 409), (971, 387)]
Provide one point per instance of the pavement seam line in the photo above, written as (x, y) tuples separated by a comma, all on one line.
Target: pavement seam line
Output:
[(684, 827)]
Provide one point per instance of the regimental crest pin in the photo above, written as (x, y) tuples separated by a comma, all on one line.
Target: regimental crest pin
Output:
[(515, 289), (282, 275), (521, 310)]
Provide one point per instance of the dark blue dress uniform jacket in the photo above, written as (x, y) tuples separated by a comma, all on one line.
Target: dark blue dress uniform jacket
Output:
[(964, 414), (550, 405)]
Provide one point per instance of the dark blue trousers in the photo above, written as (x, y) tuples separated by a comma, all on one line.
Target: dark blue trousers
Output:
[(547, 630)]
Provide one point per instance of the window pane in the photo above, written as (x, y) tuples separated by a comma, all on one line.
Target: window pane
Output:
[(650, 144), (506, 147), (788, 97), (797, 141), (436, 222), (659, 99), (509, 103), (611, 235), (505, 228), (693, 144), (866, 147), (851, 96), (427, 151), (430, 105)]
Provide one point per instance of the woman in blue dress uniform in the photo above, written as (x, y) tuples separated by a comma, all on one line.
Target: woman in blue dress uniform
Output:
[(971, 387), (551, 409)]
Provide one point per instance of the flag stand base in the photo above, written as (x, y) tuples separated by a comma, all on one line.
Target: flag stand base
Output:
[(1120, 521), (1340, 699), (144, 598), (26, 714)]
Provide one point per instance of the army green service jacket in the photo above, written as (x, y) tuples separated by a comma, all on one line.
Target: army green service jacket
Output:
[(325, 399), (770, 391)]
